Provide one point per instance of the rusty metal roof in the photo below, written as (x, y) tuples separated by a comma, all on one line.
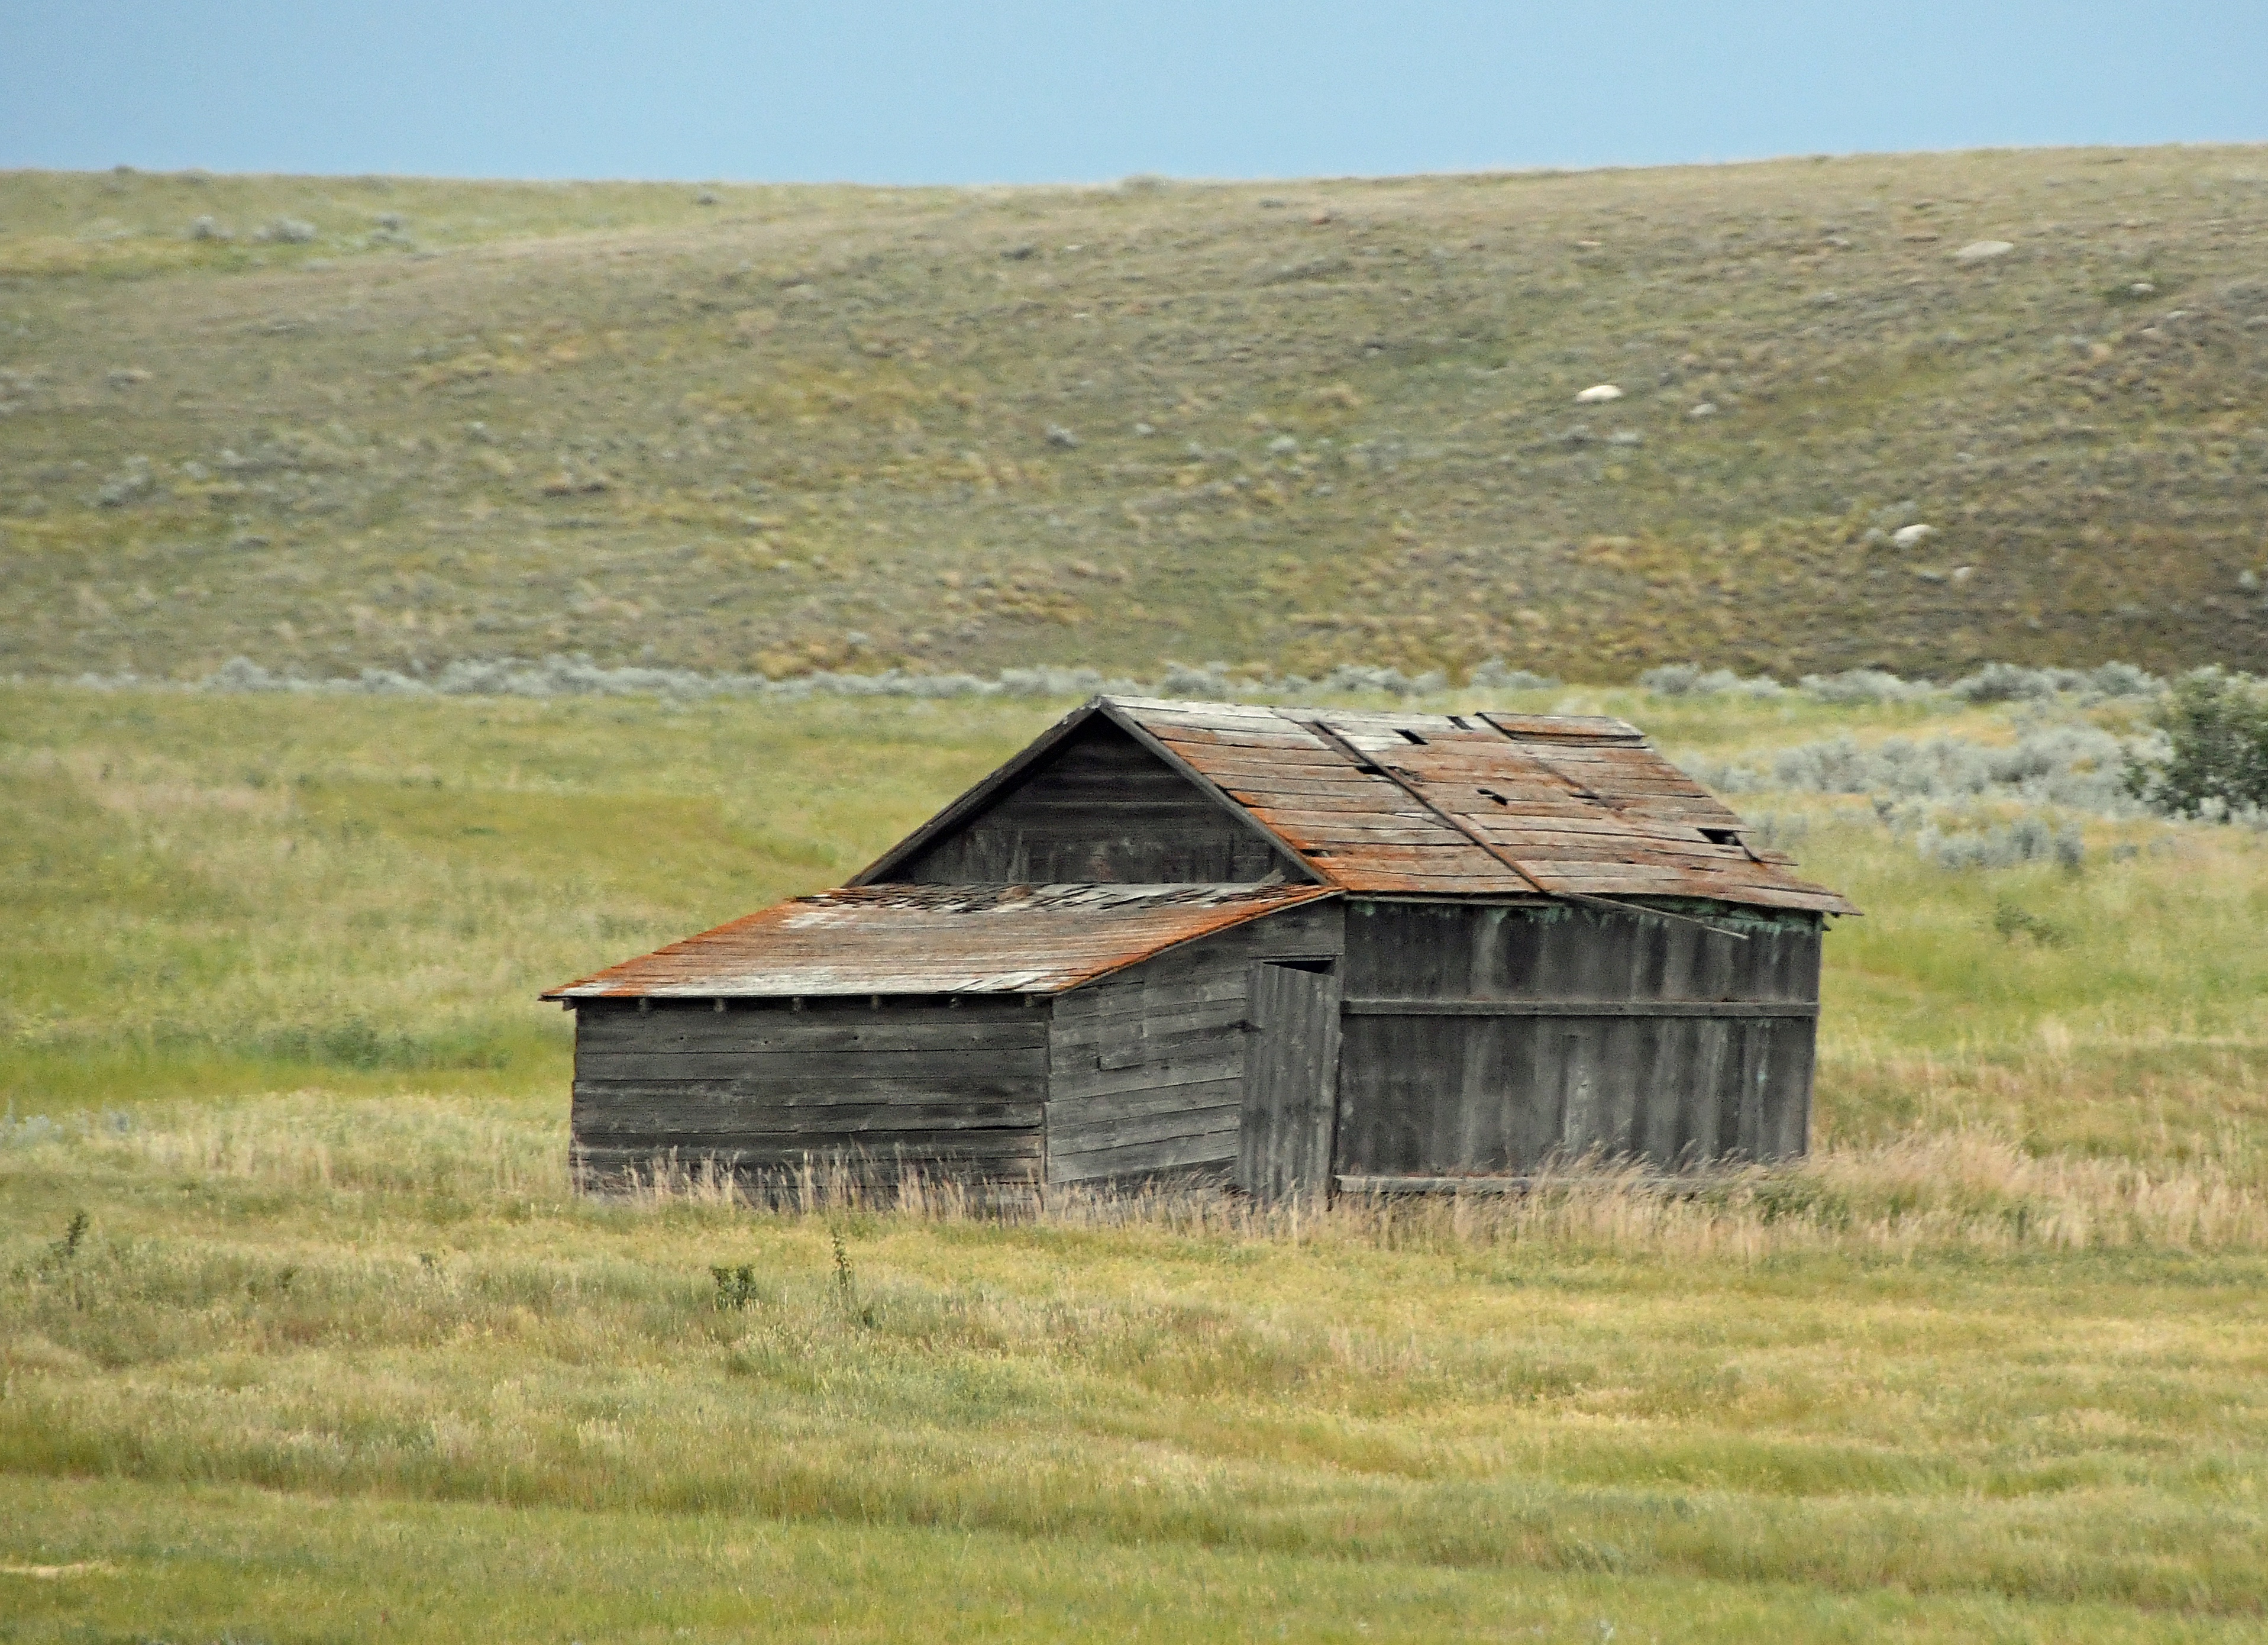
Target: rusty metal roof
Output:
[(1478, 804), (938, 939)]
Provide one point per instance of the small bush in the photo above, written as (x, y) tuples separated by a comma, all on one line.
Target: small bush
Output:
[(2013, 922), (2026, 839), (1496, 674), (1863, 687), (736, 1286), (2216, 725), (2008, 683), (1686, 679), (2076, 767)]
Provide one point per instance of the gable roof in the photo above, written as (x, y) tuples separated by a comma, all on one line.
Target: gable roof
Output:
[(938, 939), (1479, 804)]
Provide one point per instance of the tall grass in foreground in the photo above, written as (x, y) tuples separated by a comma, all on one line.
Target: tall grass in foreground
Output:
[(1971, 1189), (1942, 1366)]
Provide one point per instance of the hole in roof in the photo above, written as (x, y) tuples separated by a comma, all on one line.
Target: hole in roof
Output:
[(1499, 798), (1721, 836), (1458, 721), (1410, 736)]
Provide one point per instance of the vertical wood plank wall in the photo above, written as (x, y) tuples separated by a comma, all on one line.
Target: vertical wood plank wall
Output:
[(763, 1088), (1291, 1083), (1103, 809), (1148, 1067), (1425, 1094)]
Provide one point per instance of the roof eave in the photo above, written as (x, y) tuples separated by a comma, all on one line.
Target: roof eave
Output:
[(1241, 917)]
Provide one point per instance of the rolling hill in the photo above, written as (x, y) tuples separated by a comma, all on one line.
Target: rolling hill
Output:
[(330, 423)]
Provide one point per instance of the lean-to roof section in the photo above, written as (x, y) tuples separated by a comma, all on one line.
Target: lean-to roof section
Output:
[(938, 939), (1474, 804)]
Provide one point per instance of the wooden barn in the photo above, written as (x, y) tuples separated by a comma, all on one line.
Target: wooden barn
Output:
[(1290, 948)]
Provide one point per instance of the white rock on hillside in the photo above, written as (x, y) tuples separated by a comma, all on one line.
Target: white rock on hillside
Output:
[(1983, 251), (1599, 394), (1907, 536)]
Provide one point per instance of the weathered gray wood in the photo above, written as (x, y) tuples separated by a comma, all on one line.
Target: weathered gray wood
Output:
[(1164, 1040), (1442, 949), (1126, 1130), (1017, 1155), (1506, 1185), (1221, 1061), (1133, 1163), (919, 1085), (1100, 808), (1452, 1096), (1012, 1153), (1291, 1083), (935, 1028), (1066, 1117), (1194, 1005), (912, 1146), (1726, 1009), (676, 1114), (1080, 1020), (795, 1064), (1787, 1129), (1165, 1036), (1504, 1035)]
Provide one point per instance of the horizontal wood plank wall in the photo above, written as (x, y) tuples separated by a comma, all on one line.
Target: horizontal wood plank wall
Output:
[(1578, 1061), (1147, 1068), (956, 1090), (1104, 810)]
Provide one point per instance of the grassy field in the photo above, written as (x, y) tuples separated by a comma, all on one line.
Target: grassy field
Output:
[(777, 429), (334, 1353)]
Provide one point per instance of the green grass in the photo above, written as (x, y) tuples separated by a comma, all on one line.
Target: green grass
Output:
[(206, 1559), (810, 426), (337, 1354)]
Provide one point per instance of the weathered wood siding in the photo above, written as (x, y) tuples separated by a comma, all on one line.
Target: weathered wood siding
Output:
[(1148, 1066), (1489, 1038), (1291, 1082), (958, 1090), (1103, 809)]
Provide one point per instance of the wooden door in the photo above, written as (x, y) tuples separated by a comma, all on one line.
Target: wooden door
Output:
[(1291, 1081)]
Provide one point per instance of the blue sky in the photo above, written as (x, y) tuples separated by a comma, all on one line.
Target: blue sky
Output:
[(1013, 91)]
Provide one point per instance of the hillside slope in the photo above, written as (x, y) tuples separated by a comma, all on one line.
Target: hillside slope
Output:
[(1298, 423)]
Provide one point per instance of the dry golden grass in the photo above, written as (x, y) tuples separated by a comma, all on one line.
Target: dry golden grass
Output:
[(1930, 1377)]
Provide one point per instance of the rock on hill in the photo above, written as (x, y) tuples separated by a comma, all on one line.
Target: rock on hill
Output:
[(1910, 411)]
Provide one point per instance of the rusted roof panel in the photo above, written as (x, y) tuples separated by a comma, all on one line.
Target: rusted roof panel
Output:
[(938, 939), (1474, 804)]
